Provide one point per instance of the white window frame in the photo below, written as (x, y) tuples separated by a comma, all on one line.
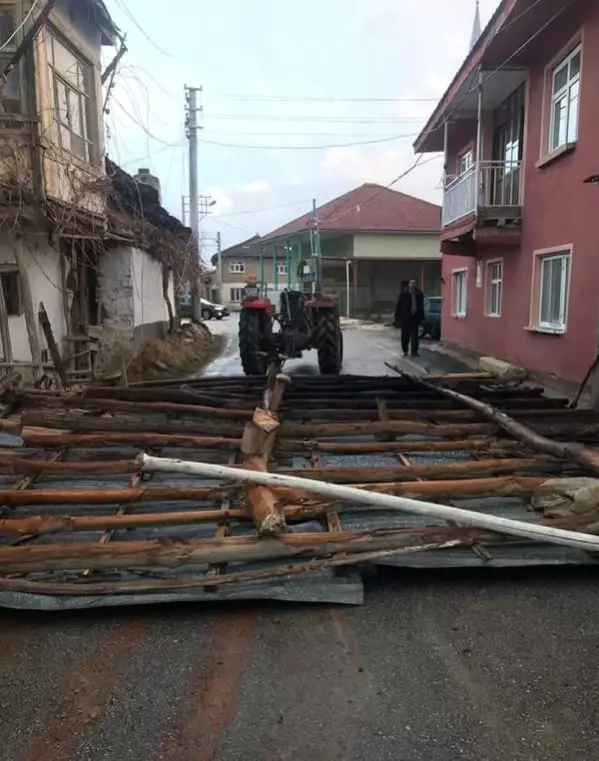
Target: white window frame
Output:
[(237, 268), (79, 89), (559, 325), (465, 161), (236, 295), (282, 269), (493, 282), (459, 285), (565, 92)]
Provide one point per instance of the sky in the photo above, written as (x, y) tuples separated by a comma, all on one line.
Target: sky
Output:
[(294, 94)]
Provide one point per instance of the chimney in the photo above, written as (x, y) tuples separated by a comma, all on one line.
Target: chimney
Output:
[(144, 177)]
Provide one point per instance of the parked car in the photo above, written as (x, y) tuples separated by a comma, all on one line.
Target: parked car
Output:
[(431, 327), (209, 310)]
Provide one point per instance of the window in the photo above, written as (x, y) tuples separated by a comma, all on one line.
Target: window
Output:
[(282, 268), (465, 162), (553, 291), (459, 293), (11, 91), (72, 81), (236, 295), (494, 289), (11, 285), (565, 90), (237, 268)]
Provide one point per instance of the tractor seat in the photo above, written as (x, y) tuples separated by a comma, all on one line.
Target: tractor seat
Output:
[(292, 305)]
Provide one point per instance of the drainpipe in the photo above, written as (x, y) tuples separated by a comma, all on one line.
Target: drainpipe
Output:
[(445, 149), (347, 288), (479, 138)]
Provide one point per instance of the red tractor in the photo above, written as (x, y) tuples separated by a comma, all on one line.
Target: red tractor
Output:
[(304, 321)]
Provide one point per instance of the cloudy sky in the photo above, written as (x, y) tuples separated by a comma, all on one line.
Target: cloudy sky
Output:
[(295, 94)]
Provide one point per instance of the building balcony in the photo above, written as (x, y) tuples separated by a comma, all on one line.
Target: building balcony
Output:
[(486, 199)]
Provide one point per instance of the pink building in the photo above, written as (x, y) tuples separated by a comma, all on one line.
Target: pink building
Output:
[(519, 127)]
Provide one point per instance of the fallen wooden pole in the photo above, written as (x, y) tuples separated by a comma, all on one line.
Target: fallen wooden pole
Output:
[(58, 524), (408, 472), (563, 450), (20, 466), (37, 438), (52, 401), (367, 447), (189, 397), (506, 485), (85, 587), (79, 422), (384, 501), (164, 408), (156, 553)]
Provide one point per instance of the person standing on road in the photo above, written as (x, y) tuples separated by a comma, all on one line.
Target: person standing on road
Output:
[(409, 315)]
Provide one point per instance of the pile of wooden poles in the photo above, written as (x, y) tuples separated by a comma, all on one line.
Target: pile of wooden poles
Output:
[(82, 513)]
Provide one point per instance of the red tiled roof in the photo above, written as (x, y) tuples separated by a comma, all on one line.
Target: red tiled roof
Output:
[(369, 208)]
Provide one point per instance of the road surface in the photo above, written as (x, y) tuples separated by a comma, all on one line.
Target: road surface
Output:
[(434, 667)]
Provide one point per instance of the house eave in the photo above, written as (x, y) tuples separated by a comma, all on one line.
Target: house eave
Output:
[(507, 45)]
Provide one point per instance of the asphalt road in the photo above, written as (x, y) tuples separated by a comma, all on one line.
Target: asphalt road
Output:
[(434, 667)]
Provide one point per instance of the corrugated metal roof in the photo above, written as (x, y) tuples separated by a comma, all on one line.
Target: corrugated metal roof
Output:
[(307, 403)]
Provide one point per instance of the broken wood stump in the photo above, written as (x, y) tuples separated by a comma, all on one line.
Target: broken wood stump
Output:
[(257, 444)]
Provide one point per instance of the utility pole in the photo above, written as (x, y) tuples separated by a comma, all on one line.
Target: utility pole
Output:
[(220, 268), (317, 251), (191, 108)]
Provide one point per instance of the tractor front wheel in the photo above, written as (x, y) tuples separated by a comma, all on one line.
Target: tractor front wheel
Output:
[(253, 332), (329, 342)]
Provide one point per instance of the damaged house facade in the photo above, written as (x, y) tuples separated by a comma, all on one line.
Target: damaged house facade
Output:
[(518, 126), (76, 233)]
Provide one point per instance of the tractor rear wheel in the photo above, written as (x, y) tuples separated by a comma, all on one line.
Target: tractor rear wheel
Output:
[(253, 333), (329, 342)]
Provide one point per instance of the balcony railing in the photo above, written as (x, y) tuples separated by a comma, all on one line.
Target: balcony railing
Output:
[(499, 185)]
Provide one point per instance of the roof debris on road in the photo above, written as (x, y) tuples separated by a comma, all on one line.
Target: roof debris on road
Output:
[(120, 495)]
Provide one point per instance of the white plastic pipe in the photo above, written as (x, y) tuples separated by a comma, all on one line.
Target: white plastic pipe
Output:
[(385, 501)]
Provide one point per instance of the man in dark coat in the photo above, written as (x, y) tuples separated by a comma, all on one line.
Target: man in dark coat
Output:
[(409, 315)]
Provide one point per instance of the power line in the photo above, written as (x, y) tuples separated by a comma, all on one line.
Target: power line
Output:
[(259, 211), (238, 133), (315, 98), (377, 119), (165, 147), (136, 23), (419, 162), (375, 141)]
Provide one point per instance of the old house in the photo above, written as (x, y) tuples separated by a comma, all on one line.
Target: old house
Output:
[(369, 239), (518, 126), (237, 265), (64, 222)]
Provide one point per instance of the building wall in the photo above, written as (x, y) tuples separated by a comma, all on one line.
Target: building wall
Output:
[(374, 285), (149, 306), (130, 293), (42, 264), (233, 280), (372, 246), (559, 211)]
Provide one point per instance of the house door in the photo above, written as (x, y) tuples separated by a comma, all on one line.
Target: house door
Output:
[(508, 139)]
